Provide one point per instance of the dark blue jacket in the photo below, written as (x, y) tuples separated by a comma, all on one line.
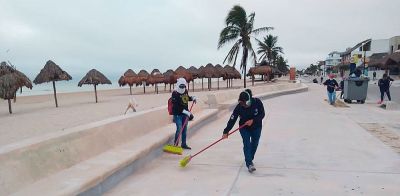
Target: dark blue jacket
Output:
[(384, 84), (255, 112), (331, 84)]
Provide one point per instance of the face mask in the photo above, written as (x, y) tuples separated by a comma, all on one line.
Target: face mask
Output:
[(181, 89)]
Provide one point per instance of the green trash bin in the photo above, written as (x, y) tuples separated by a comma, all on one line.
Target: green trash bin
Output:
[(355, 89)]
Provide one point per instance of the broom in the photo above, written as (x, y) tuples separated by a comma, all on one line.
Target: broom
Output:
[(175, 149), (187, 159)]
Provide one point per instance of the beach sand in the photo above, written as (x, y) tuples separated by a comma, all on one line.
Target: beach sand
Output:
[(37, 115)]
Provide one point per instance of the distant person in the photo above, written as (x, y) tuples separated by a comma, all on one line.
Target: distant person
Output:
[(180, 101), (342, 88), (322, 79), (315, 80), (384, 85), (374, 75), (331, 84), (251, 113)]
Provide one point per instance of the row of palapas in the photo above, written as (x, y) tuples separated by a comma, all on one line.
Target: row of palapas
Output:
[(11, 79)]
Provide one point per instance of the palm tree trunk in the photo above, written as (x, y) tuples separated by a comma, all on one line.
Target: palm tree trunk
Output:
[(9, 106), (55, 94), (130, 89), (95, 92), (244, 64)]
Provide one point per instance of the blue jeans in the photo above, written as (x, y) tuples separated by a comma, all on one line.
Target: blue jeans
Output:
[(332, 97), (179, 120), (250, 143)]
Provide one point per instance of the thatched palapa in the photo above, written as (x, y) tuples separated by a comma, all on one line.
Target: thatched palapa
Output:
[(52, 73), (94, 77), (10, 81), (129, 78), (195, 73), (155, 78), (142, 78), (170, 78)]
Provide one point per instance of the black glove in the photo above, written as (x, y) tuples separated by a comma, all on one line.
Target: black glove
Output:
[(191, 117)]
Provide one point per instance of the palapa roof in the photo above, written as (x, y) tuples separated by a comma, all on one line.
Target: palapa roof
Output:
[(260, 70), (23, 80), (376, 59), (169, 77), (9, 84), (201, 72), (182, 72), (129, 77), (51, 72), (209, 71), (94, 77), (194, 71), (155, 77)]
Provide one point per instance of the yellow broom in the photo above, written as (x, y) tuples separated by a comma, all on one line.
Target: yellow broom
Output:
[(176, 149), (187, 159)]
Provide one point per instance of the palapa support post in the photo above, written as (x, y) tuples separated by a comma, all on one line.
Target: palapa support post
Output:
[(130, 89), (95, 91), (55, 94), (9, 106), (193, 86), (202, 86)]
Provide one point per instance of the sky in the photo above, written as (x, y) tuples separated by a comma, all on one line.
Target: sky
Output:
[(113, 36)]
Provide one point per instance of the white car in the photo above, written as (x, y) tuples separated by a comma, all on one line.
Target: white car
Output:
[(305, 75)]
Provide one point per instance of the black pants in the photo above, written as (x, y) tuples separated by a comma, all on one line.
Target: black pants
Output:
[(387, 93), (341, 94)]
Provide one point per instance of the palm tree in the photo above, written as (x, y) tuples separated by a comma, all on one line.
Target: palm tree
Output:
[(239, 29), (269, 49), (281, 64)]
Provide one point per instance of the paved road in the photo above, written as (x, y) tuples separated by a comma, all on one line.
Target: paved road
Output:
[(307, 147)]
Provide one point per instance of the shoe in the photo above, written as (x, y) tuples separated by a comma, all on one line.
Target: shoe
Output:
[(379, 102), (251, 168), (186, 147)]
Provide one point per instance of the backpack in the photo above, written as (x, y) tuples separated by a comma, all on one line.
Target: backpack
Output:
[(170, 105)]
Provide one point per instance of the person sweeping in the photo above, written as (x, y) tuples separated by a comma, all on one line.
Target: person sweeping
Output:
[(180, 111), (251, 112)]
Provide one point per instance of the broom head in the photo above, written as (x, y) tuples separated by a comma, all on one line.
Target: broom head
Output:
[(173, 149), (185, 160)]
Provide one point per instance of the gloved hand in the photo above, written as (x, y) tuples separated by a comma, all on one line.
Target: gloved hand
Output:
[(187, 113), (194, 99), (191, 117)]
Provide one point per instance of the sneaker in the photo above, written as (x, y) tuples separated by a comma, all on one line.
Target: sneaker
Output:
[(251, 168), (186, 147)]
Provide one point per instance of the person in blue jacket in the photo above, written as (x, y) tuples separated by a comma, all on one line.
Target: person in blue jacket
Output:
[(251, 113)]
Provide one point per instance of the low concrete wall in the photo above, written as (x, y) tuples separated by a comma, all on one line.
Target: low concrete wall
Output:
[(28, 161), (218, 98)]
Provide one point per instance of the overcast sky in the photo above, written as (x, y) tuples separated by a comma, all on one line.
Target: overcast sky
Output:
[(113, 36)]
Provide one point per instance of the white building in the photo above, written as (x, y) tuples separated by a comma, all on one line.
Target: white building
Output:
[(333, 59), (394, 44)]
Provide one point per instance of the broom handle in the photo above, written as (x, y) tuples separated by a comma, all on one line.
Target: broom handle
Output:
[(184, 124), (217, 141)]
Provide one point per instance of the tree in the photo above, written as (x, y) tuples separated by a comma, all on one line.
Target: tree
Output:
[(239, 29), (269, 50), (282, 65)]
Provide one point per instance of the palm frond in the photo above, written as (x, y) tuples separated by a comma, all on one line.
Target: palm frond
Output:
[(236, 17), (232, 52), (262, 29), (227, 35)]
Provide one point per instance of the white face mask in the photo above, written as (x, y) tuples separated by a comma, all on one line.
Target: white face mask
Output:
[(181, 89)]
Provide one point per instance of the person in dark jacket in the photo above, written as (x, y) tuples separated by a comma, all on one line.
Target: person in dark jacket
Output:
[(384, 85), (331, 85), (180, 100), (251, 113)]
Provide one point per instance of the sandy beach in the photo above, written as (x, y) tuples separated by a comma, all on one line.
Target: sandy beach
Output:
[(37, 115)]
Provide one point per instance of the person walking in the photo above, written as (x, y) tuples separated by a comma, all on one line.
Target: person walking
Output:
[(331, 84), (384, 85), (251, 113), (322, 79), (342, 88), (180, 111), (374, 76)]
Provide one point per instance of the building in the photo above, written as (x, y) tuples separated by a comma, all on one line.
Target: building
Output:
[(394, 44), (331, 61)]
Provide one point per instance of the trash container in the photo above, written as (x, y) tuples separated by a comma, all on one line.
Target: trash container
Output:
[(355, 89)]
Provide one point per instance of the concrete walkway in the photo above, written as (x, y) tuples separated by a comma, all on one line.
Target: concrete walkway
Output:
[(307, 148)]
